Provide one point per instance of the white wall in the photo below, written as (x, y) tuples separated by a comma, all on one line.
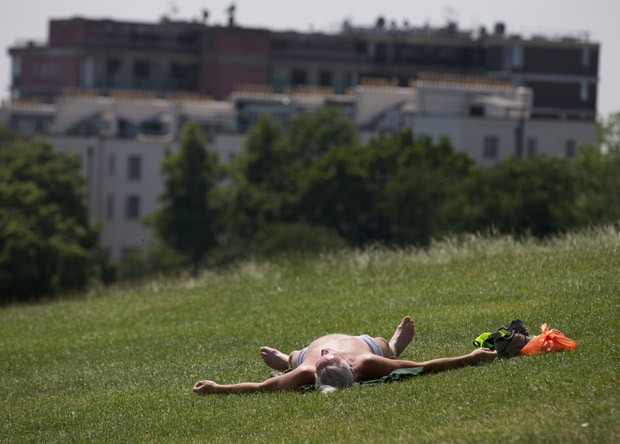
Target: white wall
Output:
[(468, 134), (552, 135), (105, 164), (374, 100)]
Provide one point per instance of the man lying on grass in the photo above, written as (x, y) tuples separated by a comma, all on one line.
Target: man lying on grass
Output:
[(338, 360)]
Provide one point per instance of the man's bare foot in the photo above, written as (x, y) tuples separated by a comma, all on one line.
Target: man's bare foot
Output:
[(402, 336), (274, 359)]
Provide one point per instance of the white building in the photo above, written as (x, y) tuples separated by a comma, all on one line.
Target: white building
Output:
[(488, 119), (121, 143), (121, 139)]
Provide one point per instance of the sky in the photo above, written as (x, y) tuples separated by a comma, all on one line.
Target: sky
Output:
[(28, 20)]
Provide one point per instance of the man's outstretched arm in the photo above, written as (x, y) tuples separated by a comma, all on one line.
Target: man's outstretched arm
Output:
[(289, 381), (373, 367)]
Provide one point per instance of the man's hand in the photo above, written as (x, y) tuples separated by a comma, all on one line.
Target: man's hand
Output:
[(204, 387), (483, 355)]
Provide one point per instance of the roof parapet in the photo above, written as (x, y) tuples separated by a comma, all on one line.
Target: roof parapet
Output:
[(429, 78)]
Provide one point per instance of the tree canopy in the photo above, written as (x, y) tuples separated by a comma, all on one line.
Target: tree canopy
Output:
[(46, 241), (304, 185), (187, 220)]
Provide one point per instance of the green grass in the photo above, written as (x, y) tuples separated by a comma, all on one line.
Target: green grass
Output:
[(118, 366)]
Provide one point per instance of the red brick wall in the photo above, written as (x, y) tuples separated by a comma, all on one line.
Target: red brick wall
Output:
[(53, 72), (67, 32), (220, 81), (231, 57), (243, 43)]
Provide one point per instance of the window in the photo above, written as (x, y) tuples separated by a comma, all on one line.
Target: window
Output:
[(154, 128), (351, 79), (299, 77), (325, 78), (126, 129), (584, 93), (179, 71), (17, 66), (112, 66), (134, 168), (381, 53), (517, 56), (47, 69), (110, 207), (513, 56), (371, 51), (112, 165), (532, 147), (141, 68), (132, 207), (476, 110), (585, 57), (490, 149), (571, 148)]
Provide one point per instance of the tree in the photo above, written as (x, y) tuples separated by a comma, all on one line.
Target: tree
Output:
[(188, 218), (313, 134), (424, 198), (8, 137), (334, 193), (262, 199), (259, 192), (597, 169), (525, 196), (46, 242), (609, 134)]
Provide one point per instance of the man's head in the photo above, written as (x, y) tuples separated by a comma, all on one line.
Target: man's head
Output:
[(333, 371)]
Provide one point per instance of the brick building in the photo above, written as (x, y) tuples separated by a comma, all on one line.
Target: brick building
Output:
[(165, 57)]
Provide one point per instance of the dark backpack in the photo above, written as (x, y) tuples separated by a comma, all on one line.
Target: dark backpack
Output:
[(507, 340)]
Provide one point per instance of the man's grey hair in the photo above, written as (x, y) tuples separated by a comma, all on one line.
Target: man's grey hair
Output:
[(334, 376)]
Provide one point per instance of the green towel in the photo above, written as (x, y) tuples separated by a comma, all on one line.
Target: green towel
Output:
[(396, 375)]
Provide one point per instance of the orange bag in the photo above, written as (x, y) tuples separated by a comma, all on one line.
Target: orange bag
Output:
[(547, 341)]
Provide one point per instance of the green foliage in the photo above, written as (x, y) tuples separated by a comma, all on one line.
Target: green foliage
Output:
[(313, 134), (266, 156), (260, 184), (609, 134), (160, 259), (424, 199), (270, 174), (188, 218), (518, 196), (598, 186), (8, 137), (294, 238), (119, 367), (46, 242), (399, 190), (335, 193)]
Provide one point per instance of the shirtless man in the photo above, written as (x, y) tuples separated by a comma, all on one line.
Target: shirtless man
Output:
[(338, 360)]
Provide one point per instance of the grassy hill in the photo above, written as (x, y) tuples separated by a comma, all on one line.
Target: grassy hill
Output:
[(119, 366)]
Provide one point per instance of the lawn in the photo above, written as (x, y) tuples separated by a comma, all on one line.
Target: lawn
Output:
[(118, 365)]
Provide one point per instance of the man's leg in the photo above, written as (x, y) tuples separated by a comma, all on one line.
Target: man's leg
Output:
[(402, 337), (274, 358)]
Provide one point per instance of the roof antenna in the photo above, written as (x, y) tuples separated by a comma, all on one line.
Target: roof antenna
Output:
[(231, 14), (451, 14), (174, 9)]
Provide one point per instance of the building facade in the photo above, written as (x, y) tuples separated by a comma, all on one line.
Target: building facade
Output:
[(194, 57), (118, 93)]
